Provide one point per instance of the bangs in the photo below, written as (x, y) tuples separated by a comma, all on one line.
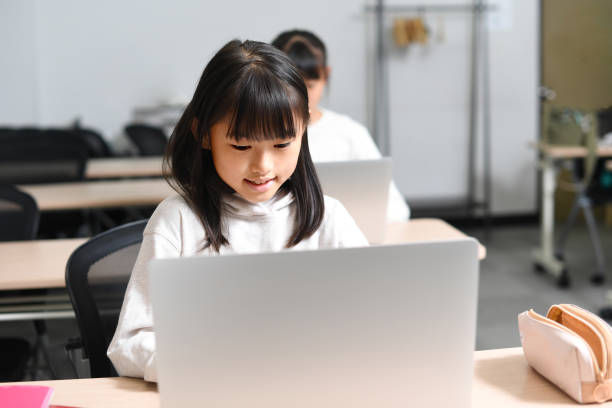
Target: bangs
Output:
[(265, 109)]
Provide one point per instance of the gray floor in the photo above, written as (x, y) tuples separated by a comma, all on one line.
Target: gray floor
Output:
[(508, 286)]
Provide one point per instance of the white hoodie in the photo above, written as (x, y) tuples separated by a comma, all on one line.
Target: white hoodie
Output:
[(174, 230), (336, 137)]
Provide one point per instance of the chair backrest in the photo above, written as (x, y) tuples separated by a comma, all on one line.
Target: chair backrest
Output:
[(19, 215), (149, 140), (97, 274), (96, 145), (30, 156)]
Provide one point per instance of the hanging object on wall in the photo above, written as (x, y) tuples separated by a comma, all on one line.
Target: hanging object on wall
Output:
[(407, 31), (440, 31)]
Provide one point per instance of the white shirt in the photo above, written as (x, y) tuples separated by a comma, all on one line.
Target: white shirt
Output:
[(174, 230), (336, 137)]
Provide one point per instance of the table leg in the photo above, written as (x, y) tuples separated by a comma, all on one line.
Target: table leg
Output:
[(544, 256)]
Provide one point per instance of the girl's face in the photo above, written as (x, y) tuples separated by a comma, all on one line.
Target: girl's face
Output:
[(255, 170), (315, 89)]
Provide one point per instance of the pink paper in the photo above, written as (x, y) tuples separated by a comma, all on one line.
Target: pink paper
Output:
[(25, 396)]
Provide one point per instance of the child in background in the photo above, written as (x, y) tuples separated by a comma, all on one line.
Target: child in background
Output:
[(332, 136), (239, 160)]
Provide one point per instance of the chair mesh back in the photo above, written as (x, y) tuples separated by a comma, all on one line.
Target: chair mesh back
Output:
[(19, 215), (96, 145), (97, 274), (107, 281), (149, 140)]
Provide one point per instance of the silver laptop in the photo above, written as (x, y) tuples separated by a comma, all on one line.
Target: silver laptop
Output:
[(383, 326), (362, 186)]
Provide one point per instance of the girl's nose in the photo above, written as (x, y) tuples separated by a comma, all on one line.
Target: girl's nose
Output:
[(261, 164)]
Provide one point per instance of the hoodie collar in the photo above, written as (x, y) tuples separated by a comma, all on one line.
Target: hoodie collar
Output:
[(237, 206)]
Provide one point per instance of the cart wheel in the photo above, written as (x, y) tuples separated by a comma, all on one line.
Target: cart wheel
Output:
[(606, 313), (538, 268), (597, 278), (563, 281)]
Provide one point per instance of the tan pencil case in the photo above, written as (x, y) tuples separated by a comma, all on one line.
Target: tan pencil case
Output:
[(572, 348)]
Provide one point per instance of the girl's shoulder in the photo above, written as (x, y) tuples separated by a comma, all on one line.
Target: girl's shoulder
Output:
[(335, 117), (172, 212), (340, 122), (334, 211), (339, 229)]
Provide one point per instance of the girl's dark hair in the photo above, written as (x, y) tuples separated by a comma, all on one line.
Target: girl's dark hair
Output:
[(306, 50), (259, 89)]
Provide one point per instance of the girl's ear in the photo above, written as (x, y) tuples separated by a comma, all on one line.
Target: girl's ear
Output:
[(327, 72), (194, 132)]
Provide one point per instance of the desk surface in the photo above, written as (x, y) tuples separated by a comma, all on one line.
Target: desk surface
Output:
[(35, 264), (116, 167), (98, 194), (502, 378), (425, 229), (570, 152), (42, 264)]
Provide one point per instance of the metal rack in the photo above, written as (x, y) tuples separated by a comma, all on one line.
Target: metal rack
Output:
[(478, 62)]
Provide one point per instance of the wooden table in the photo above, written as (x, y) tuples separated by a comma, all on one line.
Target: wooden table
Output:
[(502, 379), (425, 229), (98, 194), (42, 263), (544, 255), (35, 265), (118, 167)]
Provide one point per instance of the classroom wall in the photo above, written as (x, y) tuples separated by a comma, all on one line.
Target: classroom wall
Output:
[(429, 99), (98, 60), (101, 59), (18, 77)]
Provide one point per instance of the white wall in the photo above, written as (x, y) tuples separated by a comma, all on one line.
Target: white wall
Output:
[(429, 101), (64, 59), (18, 79), (100, 59)]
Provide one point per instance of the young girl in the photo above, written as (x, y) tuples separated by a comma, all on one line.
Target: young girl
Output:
[(240, 162), (332, 137)]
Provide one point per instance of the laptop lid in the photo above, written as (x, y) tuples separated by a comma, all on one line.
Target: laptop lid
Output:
[(362, 186), (384, 326)]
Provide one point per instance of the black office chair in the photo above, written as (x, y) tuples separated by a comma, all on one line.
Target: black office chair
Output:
[(19, 218), (19, 215), (97, 274), (30, 156), (149, 140), (96, 145)]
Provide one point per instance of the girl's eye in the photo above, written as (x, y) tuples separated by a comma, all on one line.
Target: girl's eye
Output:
[(282, 145), (241, 147)]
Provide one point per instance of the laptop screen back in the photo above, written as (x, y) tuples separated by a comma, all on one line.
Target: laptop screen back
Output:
[(384, 326), (362, 186)]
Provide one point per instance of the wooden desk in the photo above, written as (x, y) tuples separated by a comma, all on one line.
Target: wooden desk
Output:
[(35, 265), (544, 255), (98, 194), (42, 264), (425, 229), (502, 379), (117, 167)]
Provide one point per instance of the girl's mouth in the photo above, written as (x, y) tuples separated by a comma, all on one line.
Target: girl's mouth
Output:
[(260, 186)]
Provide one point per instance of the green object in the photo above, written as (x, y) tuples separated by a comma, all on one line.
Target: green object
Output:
[(605, 181), (564, 126)]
